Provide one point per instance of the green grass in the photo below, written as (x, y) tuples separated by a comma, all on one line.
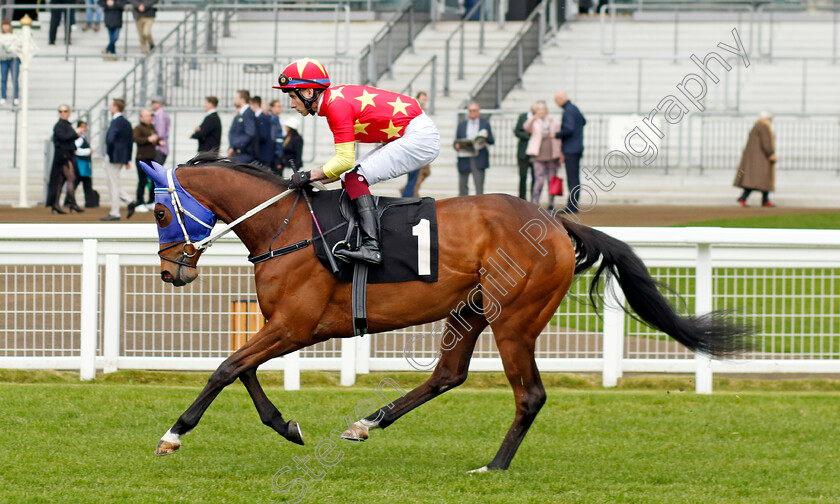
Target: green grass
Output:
[(647, 442), (800, 221)]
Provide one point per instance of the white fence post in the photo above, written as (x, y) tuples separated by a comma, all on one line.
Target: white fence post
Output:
[(702, 306), (113, 300), (613, 350), (348, 361), (90, 298), (363, 354), (291, 371)]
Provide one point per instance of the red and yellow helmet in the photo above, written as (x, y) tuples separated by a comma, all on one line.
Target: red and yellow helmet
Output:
[(303, 73)]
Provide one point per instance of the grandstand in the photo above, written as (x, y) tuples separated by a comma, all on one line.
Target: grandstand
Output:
[(616, 68)]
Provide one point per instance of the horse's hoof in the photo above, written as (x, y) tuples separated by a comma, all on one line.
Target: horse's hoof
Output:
[(166, 448), (294, 433), (355, 433), (484, 469)]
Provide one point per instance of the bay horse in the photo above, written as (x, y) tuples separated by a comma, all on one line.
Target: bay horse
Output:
[(304, 304)]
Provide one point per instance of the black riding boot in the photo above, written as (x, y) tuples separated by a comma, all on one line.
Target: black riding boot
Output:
[(369, 227)]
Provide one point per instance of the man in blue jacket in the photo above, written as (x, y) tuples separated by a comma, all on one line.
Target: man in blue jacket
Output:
[(265, 134), (478, 131), (243, 137), (571, 133), (119, 141)]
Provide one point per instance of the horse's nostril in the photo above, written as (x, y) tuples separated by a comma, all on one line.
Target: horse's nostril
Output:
[(166, 276)]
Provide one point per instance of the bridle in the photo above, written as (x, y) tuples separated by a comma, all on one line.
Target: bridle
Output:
[(181, 214)]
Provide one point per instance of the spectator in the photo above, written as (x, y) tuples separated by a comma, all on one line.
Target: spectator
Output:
[(64, 164), (522, 157), (265, 133), (757, 171), (571, 133), (146, 139), (415, 178), (274, 110), (9, 62), (209, 134), (472, 138), (160, 120), (113, 22), (543, 150), (144, 16), (118, 143), (83, 162), (242, 137), (55, 19), (93, 12), (292, 146)]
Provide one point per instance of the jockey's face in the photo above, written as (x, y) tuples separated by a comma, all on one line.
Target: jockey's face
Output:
[(297, 104)]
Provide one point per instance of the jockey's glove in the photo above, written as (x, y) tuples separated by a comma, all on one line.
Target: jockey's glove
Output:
[(299, 179)]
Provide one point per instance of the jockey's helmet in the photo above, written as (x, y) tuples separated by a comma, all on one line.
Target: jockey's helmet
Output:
[(304, 73)]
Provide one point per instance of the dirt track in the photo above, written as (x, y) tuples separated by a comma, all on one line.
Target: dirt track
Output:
[(603, 215)]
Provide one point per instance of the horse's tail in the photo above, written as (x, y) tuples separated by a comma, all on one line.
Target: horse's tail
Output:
[(713, 334)]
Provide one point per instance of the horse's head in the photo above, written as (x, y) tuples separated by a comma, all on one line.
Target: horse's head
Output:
[(182, 223)]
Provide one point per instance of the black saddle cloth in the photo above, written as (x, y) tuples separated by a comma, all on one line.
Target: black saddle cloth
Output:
[(408, 235)]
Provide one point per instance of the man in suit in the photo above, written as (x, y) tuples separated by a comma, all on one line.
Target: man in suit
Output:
[(571, 133), (522, 157), (265, 133), (209, 134), (469, 161), (119, 142), (243, 137)]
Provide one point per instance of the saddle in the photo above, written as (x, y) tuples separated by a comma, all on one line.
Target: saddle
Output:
[(408, 239)]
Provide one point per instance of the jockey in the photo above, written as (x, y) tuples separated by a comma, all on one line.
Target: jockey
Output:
[(407, 136)]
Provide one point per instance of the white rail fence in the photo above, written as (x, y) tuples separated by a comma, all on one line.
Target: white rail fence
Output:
[(89, 297)]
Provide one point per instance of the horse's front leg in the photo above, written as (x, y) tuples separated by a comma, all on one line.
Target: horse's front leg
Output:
[(266, 344), (269, 414)]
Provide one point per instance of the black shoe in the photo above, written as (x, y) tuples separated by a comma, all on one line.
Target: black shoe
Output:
[(57, 209), (73, 207), (131, 207), (369, 226), (110, 218)]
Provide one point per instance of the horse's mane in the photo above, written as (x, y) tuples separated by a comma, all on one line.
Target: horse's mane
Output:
[(213, 158)]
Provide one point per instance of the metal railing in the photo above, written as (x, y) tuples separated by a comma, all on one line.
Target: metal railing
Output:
[(377, 58), (84, 304), (506, 72), (432, 89), (480, 5), (713, 141), (768, 13), (218, 17)]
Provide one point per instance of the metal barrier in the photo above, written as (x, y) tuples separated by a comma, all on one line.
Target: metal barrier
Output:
[(701, 141), (95, 301), (218, 16), (676, 8), (506, 72), (378, 57), (432, 89), (480, 5), (769, 11)]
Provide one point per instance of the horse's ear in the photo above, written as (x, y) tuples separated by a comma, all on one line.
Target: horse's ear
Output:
[(155, 172)]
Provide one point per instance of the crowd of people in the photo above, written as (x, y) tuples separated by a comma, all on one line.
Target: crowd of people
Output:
[(257, 135)]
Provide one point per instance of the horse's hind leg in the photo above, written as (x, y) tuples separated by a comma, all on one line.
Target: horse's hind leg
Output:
[(521, 369), (269, 414), (450, 372)]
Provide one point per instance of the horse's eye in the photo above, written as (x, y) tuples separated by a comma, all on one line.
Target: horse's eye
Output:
[(160, 214)]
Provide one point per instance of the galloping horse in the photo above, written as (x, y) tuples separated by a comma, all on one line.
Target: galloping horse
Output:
[(305, 304)]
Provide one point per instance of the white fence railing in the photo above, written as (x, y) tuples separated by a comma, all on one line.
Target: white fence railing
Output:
[(89, 297)]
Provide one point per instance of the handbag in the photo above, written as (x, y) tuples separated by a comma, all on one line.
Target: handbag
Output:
[(555, 186)]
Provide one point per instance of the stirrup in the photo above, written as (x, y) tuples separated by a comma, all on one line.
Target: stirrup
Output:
[(341, 245)]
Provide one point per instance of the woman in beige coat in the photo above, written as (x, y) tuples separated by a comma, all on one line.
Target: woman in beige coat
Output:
[(758, 163), (543, 149)]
